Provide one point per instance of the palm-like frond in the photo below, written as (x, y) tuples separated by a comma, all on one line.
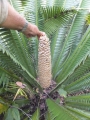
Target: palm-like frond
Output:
[(3, 78), (81, 114), (81, 46), (19, 5), (81, 84), (72, 38), (80, 71), (79, 101), (58, 112), (57, 44), (6, 75), (36, 115), (54, 17), (4, 59), (13, 70), (8, 71), (79, 55), (14, 113), (31, 13), (16, 48), (65, 24)]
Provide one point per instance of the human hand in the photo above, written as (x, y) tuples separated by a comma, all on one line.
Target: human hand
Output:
[(17, 22), (32, 30)]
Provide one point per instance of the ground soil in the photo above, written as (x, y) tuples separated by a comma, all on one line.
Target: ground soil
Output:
[(40, 101)]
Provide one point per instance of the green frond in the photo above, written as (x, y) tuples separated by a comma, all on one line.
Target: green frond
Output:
[(80, 54), (80, 71), (64, 21), (81, 114), (59, 3), (7, 63), (3, 79), (6, 75), (12, 113), (3, 107), (16, 46), (36, 115), (48, 116), (88, 19), (13, 70), (81, 102), (73, 37), (69, 4), (31, 13), (55, 17), (51, 3), (57, 43), (58, 112), (80, 84), (17, 5)]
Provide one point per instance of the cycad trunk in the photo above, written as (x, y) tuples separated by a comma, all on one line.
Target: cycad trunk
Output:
[(44, 62)]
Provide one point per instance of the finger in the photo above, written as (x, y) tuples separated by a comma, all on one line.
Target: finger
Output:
[(29, 35), (41, 34)]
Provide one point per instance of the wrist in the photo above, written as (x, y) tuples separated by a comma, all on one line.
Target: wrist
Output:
[(24, 28)]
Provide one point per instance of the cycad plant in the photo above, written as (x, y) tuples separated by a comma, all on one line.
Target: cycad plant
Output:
[(23, 95)]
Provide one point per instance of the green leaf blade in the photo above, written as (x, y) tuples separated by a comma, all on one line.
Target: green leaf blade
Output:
[(36, 115), (59, 112)]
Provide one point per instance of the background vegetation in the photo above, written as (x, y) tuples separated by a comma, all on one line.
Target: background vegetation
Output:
[(64, 21)]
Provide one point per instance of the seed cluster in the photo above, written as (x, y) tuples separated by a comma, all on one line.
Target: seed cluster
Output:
[(44, 62)]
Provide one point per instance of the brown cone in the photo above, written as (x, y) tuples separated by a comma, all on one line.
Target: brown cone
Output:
[(44, 62)]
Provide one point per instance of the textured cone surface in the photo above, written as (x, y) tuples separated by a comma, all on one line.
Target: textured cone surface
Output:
[(44, 62)]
